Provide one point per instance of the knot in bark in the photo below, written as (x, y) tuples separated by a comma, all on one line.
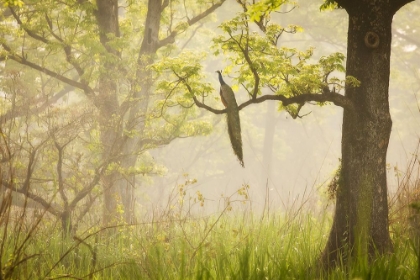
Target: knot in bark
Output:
[(371, 40)]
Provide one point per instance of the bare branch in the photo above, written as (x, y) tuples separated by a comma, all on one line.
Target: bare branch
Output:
[(51, 208), (87, 189), (208, 108), (165, 4), (333, 97), (245, 52), (83, 86), (205, 13), (170, 39), (192, 36), (28, 31), (67, 49)]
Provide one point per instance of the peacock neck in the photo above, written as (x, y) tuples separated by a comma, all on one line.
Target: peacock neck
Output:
[(221, 79)]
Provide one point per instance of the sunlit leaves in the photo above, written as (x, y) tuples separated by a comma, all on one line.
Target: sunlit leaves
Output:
[(173, 112), (185, 67), (264, 8), (332, 62), (257, 59), (352, 81), (328, 5), (13, 3)]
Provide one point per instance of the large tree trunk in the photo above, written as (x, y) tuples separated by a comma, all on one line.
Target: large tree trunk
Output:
[(119, 187), (360, 226), (107, 103), (138, 108)]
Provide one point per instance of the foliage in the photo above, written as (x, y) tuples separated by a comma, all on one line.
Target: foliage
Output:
[(258, 61), (13, 3), (69, 89), (329, 5), (186, 67)]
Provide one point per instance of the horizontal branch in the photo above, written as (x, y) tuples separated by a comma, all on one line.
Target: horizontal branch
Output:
[(49, 206), (333, 97), (208, 108)]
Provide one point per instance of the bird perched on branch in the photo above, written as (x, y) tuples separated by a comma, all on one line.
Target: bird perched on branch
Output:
[(233, 121)]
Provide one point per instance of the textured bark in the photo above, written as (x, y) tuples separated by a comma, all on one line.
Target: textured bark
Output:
[(360, 226), (138, 108), (107, 103)]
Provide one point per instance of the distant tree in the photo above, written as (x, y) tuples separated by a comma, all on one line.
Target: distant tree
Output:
[(104, 50)]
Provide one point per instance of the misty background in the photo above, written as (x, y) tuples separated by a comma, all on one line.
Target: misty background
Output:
[(287, 161)]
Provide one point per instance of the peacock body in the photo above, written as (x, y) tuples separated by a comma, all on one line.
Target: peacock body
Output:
[(233, 121)]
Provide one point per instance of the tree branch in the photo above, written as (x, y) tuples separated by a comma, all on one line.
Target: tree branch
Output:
[(51, 208), (398, 4), (28, 31), (333, 97), (205, 13), (67, 49), (165, 4), (87, 189), (170, 39), (208, 108), (59, 168), (83, 86)]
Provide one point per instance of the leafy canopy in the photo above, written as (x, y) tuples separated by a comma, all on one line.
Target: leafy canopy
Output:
[(258, 60), (251, 45)]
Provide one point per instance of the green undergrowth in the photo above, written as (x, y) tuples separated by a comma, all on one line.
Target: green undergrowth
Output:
[(174, 243), (226, 245)]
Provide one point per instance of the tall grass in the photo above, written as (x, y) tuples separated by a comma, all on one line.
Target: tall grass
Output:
[(174, 243), (236, 248)]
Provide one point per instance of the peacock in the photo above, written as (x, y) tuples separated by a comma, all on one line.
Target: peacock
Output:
[(233, 121)]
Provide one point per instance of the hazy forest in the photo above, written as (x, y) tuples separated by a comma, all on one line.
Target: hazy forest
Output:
[(121, 147)]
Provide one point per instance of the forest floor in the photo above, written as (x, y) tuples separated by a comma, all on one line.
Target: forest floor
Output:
[(231, 244)]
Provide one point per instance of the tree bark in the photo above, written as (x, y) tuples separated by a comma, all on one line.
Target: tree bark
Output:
[(107, 103), (360, 225), (116, 186), (138, 108)]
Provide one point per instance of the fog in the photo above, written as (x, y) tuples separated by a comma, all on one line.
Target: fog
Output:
[(292, 159), (54, 118)]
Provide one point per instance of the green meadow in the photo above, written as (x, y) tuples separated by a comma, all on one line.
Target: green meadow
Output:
[(232, 243)]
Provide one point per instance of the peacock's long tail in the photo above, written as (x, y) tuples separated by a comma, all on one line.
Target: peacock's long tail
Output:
[(234, 130), (233, 122)]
